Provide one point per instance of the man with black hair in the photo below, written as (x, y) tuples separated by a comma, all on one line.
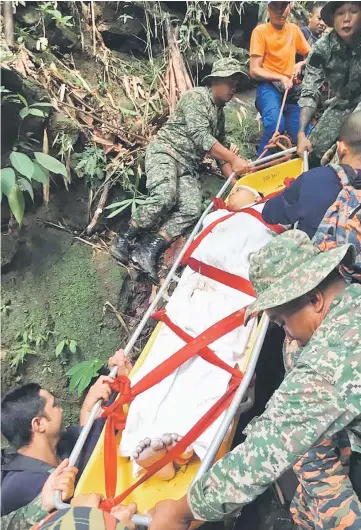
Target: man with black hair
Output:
[(32, 422), (336, 58), (315, 27)]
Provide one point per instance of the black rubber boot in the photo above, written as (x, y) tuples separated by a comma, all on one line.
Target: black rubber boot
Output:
[(147, 253), (121, 245)]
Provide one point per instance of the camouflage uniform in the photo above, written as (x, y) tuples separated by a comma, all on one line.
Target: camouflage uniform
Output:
[(24, 518), (172, 159), (323, 474), (340, 66), (318, 400)]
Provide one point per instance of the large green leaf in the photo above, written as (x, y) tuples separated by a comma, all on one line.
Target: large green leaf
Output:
[(22, 163), (37, 112), (17, 203), (40, 174), (7, 180), (51, 163), (25, 185)]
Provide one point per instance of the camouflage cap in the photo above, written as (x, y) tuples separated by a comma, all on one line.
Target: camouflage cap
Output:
[(289, 267), (225, 68)]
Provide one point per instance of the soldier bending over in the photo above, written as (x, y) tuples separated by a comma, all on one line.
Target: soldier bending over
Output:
[(171, 161)]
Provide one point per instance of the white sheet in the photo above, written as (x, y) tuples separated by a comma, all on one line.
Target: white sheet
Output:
[(179, 401)]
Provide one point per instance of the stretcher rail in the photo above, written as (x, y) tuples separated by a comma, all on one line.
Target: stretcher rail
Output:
[(138, 519)]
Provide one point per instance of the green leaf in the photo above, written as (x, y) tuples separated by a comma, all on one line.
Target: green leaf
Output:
[(23, 113), (36, 112), (72, 346), (40, 174), (51, 163), (25, 185), (41, 104), (22, 99), (59, 349), (22, 163), (17, 203), (116, 204), (7, 178), (116, 212)]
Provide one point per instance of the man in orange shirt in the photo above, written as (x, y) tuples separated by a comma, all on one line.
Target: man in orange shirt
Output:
[(273, 63)]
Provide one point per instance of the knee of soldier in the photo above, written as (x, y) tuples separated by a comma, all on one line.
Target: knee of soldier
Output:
[(164, 195), (192, 210)]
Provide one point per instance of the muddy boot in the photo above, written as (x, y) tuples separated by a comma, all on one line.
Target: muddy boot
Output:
[(147, 253), (121, 245)]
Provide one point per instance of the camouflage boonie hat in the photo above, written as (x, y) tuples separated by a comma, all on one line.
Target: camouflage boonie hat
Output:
[(224, 68), (328, 11), (289, 267)]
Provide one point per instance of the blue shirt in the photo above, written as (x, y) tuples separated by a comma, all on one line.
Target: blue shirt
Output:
[(306, 200)]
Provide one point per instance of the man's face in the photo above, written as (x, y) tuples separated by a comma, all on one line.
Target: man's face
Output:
[(316, 23), (347, 20), (223, 90), (52, 419), (299, 325), (278, 13)]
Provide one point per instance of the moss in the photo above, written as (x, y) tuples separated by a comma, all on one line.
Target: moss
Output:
[(60, 286)]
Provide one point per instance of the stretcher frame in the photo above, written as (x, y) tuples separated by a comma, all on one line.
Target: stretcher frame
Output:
[(238, 405)]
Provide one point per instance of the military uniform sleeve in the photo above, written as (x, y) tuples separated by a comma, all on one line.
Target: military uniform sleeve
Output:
[(24, 518), (301, 411), (196, 116), (314, 78)]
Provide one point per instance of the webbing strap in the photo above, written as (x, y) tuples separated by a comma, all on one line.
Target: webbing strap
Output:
[(250, 211), (232, 280), (116, 416), (206, 353)]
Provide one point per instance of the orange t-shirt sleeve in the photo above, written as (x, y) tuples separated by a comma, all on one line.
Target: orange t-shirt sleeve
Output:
[(258, 43), (302, 46)]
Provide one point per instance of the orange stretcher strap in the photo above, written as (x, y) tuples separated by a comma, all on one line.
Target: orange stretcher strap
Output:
[(232, 280), (250, 211), (116, 416)]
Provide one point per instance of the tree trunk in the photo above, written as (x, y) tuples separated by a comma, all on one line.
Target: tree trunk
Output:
[(8, 22)]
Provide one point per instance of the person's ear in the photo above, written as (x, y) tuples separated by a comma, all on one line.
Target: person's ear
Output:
[(342, 149), (37, 425), (317, 302)]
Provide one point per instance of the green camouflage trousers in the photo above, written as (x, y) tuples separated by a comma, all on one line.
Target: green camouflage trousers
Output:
[(325, 133), (325, 498), (175, 199)]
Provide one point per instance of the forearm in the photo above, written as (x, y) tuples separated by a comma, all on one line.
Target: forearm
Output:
[(227, 170), (274, 442), (306, 116), (261, 74), (219, 152)]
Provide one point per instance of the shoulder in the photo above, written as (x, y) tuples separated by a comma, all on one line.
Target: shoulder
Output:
[(261, 29), (195, 96), (20, 488), (296, 29), (323, 174)]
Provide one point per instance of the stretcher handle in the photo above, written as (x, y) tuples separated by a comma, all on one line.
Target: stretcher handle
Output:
[(306, 165), (58, 504), (212, 451)]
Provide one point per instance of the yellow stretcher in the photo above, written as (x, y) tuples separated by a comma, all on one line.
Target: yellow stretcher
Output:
[(266, 181)]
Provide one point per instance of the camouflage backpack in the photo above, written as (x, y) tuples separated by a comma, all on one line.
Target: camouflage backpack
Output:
[(342, 221)]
